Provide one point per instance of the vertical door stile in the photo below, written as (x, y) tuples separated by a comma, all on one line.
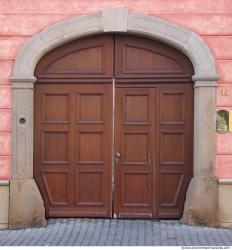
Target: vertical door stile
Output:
[(152, 151), (156, 162), (72, 146), (113, 148)]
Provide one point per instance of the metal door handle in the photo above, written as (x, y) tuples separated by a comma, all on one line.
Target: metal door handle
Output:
[(117, 155)]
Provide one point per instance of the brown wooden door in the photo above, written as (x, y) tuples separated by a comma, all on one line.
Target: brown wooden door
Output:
[(134, 144), (174, 147), (153, 128), (73, 128), (73, 148), (93, 161), (153, 150)]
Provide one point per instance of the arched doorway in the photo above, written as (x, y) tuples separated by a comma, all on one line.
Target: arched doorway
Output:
[(119, 97), (203, 185)]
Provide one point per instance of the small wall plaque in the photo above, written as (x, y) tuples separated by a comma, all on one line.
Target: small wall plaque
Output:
[(224, 92), (222, 121)]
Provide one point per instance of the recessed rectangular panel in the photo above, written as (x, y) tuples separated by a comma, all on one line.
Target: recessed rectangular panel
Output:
[(87, 60), (135, 108), (172, 147), (89, 186), (146, 60), (91, 108), (90, 147), (170, 186), (56, 185), (136, 189), (173, 107), (55, 108), (142, 57), (135, 148), (55, 147), (90, 57)]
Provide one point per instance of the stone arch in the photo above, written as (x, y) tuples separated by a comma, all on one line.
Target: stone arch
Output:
[(26, 205)]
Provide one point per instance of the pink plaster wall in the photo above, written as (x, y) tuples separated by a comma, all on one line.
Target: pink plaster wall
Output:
[(20, 19)]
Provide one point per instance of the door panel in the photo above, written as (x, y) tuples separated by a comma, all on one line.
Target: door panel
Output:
[(138, 57), (56, 184), (134, 140), (85, 58), (174, 159), (73, 148)]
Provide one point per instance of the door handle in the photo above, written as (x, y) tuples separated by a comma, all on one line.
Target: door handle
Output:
[(117, 156)]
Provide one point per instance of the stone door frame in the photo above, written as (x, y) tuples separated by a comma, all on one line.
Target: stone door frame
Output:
[(201, 205)]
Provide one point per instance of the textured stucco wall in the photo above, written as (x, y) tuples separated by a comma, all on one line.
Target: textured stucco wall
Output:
[(20, 19)]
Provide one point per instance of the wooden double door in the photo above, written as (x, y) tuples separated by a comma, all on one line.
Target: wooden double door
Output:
[(115, 142)]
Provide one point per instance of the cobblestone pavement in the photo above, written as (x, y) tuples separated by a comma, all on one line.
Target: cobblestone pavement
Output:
[(94, 232)]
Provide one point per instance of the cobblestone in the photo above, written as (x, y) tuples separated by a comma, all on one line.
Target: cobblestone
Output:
[(105, 232)]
